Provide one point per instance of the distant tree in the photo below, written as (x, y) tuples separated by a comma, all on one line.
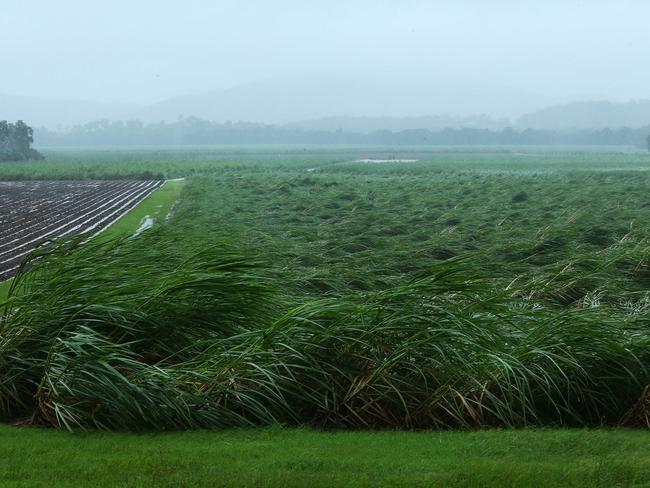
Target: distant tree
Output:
[(5, 132), (23, 137), (647, 141), (192, 130), (16, 142)]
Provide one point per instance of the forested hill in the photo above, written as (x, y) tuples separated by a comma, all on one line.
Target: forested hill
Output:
[(197, 131)]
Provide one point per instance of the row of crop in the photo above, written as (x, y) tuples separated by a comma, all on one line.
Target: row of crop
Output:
[(88, 213)]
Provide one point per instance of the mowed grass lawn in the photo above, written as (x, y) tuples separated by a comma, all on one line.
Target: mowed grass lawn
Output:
[(297, 457)]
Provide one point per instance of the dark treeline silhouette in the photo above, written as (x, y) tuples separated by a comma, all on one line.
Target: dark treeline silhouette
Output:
[(16, 142), (198, 131)]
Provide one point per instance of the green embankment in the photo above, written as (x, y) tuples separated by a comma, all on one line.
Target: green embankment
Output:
[(156, 206), (290, 457)]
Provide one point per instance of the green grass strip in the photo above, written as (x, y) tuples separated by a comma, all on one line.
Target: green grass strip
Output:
[(156, 206), (297, 457), (4, 289)]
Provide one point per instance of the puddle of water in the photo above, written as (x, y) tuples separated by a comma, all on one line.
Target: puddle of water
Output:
[(386, 161), (147, 223)]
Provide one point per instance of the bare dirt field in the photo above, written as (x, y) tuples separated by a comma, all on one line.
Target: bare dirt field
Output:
[(31, 212)]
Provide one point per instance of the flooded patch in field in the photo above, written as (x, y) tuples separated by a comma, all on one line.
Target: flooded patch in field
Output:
[(374, 161)]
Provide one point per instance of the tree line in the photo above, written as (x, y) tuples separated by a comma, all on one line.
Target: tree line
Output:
[(16, 142), (187, 131)]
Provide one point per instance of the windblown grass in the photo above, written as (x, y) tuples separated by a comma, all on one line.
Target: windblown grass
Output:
[(99, 336), (94, 334), (346, 297)]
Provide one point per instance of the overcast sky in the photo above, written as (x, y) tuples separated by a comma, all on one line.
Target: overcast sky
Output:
[(147, 50)]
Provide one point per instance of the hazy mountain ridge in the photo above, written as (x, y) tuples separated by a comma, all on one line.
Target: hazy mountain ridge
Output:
[(54, 113), (347, 107), (282, 102), (589, 115)]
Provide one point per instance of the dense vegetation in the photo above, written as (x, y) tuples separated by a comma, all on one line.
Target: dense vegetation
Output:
[(449, 293), (192, 130), (167, 162), (16, 142)]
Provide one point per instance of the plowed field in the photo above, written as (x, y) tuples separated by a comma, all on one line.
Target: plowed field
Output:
[(31, 212)]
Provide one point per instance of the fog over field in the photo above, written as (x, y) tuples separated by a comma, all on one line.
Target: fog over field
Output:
[(285, 61)]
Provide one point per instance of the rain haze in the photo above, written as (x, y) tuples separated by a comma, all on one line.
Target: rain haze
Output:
[(284, 61), (325, 243)]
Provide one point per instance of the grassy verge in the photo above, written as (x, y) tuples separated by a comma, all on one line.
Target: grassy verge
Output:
[(4, 289), (288, 457), (156, 206)]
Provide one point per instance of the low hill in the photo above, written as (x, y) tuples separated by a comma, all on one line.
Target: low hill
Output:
[(589, 115), (349, 101), (55, 113)]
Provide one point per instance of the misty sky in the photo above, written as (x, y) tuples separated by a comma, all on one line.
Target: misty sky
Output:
[(145, 51)]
